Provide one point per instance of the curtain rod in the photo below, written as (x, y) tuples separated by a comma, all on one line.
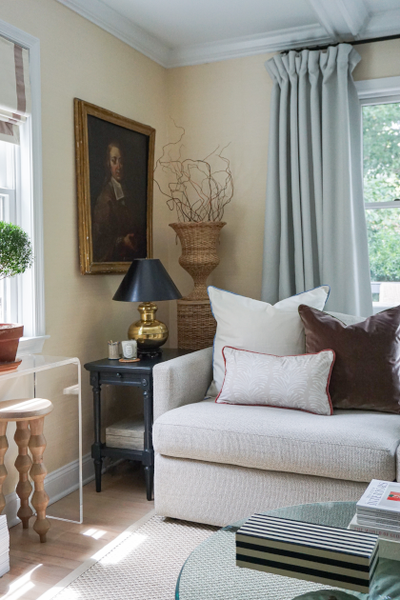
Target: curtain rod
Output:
[(353, 43)]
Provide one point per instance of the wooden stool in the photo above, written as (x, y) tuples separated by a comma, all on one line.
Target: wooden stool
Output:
[(29, 414)]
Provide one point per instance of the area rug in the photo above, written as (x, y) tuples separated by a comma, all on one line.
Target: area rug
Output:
[(144, 562)]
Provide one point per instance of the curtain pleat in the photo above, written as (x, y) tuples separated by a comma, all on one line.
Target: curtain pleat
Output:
[(315, 230), (15, 93)]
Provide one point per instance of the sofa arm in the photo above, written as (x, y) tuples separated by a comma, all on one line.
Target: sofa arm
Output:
[(182, 380)]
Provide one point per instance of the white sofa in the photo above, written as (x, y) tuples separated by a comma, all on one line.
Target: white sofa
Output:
[(217, 463)]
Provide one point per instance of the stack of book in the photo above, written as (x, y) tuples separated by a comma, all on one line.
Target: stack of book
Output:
[(4, 546), (378, 512)]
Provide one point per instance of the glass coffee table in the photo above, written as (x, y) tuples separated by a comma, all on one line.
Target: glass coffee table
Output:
[(210, 572)]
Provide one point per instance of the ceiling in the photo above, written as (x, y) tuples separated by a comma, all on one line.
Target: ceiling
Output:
[(186, 32)]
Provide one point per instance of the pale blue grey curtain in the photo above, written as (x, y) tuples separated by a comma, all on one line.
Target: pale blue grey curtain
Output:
[(315, 230)]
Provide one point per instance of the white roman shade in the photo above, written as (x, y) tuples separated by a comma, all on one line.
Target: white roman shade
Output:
[(15, 92)]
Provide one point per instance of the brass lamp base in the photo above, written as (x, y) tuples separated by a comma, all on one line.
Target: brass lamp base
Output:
[(149, 333)]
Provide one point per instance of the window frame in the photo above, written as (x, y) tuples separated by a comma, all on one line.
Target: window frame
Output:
[(31, 301), (378, 91)]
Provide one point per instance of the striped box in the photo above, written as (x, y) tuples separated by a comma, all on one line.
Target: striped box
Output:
[(319, 553)]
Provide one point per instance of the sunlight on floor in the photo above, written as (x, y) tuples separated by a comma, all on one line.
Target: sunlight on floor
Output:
[(95, 533), (20, 586), (132, 542)]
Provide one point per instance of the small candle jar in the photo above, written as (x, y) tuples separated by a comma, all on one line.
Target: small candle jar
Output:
[(113, 350), (129, 349)]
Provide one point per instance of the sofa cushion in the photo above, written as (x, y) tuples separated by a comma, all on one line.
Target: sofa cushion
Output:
[(351, 445)]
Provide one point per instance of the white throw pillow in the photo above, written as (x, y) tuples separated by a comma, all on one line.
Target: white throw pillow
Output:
[(254, 325), (299, 382)]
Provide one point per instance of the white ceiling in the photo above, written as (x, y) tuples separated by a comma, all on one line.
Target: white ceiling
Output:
[(184, 32), (185, 22)]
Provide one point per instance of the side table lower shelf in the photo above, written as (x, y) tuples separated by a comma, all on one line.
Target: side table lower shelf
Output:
[(146, 457)]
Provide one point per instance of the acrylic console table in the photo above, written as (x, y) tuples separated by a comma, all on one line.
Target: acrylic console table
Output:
[(31, 366)]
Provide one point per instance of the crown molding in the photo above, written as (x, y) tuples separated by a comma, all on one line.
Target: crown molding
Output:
[(384, 23), (120, 27), (355, 15), (342, 19), (339, 20), (284, 39)]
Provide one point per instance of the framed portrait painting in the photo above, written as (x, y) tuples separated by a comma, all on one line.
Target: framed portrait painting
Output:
[(114, 171)]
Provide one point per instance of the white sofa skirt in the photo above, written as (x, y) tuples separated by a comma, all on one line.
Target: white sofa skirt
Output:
[(218, 494)]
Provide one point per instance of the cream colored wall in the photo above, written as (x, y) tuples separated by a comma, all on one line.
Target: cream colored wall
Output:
[(218, 104), (380, 59), (229, 101), (78, 59)]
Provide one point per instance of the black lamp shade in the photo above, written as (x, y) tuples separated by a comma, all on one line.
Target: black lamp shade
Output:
[(146, 281)]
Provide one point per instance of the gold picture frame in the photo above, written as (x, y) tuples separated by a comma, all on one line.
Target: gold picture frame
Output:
[(114, 180)]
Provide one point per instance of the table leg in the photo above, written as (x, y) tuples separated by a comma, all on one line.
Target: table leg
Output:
[(23, 464), (3, 470), (149, 476), (96, 447), (38, 472), (148, 459)]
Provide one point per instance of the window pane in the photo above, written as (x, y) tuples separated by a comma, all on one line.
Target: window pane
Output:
[(383, 226), (7, 213), (381, 134), (7, 165), (2, 297)]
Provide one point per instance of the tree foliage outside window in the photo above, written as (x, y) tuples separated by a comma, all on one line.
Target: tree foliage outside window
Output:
[(381, 132)]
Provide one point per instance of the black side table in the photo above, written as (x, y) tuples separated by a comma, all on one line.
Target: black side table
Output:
[(138, 374)]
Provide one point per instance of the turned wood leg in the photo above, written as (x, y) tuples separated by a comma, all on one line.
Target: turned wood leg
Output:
[(23, 463), (3, 470), (40, 499)]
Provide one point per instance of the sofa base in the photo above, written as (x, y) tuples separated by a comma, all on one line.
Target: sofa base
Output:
[(217, 494)]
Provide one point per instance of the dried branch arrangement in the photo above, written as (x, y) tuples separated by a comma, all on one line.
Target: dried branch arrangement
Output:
[(196, 191)]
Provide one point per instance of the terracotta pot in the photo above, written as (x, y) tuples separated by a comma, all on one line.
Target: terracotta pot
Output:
[(199, 253), (9, 339)]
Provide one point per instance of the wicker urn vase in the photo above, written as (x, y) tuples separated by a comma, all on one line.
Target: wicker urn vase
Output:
[(199, 253), (199, 241)]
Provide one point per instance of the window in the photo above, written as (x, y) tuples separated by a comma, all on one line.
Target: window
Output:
[(22, 297), (381, 169), (7, 213)]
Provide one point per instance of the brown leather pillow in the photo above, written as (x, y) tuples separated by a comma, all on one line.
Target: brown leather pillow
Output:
[(366, 375)]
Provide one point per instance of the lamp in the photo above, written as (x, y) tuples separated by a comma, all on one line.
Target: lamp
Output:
[(147, 281)]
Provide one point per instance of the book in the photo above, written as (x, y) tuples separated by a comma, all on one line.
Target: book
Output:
[(320, 553), (384, 532), (371, 521), (389, 541), (381, 500)]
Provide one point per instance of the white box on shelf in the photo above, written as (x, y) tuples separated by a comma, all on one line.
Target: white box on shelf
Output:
[(128, 433)]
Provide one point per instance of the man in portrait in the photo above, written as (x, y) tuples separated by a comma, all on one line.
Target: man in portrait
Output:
[(116, 231)]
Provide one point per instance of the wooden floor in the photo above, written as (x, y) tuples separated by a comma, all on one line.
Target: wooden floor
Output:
[(36, 567)]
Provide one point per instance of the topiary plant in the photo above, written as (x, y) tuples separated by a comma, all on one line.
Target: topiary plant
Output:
[(15, 250)]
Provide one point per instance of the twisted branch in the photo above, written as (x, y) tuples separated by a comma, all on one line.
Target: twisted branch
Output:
[(196, 192)]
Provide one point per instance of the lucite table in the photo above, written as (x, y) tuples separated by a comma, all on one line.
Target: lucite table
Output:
[(31, 366), (210, 572)]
